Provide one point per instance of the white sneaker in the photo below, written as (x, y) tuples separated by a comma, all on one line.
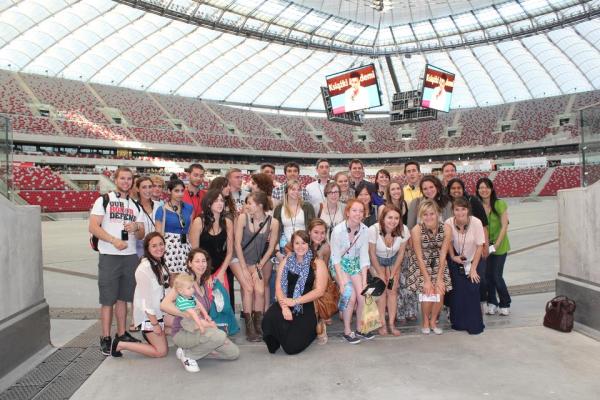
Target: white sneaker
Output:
[(504, 311), (190, 365), (438, 331), (491, 309), (179, 354)]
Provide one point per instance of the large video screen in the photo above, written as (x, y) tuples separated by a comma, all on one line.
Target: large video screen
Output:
[(437, 88), (354, 89)]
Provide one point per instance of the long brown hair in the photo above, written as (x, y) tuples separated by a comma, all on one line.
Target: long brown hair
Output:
[(399, 230), (189, 260), (220, 183), (156, 265)]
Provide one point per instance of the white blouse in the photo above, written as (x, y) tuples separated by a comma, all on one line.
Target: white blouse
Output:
[(381, 250), (148, 294), (340, 242)]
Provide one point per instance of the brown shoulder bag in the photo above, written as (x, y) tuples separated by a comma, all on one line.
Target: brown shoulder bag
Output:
[(559, 314)]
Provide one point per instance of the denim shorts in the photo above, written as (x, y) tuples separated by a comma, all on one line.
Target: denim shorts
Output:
[(387, 262)]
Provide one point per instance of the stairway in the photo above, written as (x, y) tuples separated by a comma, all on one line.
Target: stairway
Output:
[(543, 181)]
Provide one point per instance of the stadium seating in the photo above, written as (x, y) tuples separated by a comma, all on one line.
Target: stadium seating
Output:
[(60, 201), (518, 182), (152, 118), (470, 179), (69, 98), (33, 178), (535, 117), (248, 122), (564, 177), (34, 125), (13, 100), (138, 108)]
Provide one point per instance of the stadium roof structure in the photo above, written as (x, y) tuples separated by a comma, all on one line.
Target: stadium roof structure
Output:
[(276, 53)]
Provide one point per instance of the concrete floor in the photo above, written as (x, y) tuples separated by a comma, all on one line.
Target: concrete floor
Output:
[(514, 358)]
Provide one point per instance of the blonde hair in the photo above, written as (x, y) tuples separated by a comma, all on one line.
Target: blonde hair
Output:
[(286, 207), (427, 205), (182, 280)]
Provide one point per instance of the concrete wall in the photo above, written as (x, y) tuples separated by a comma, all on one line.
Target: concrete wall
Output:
[(579, 246), (24, 313)]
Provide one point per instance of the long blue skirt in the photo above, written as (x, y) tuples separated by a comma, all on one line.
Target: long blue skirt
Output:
[(465, 309)]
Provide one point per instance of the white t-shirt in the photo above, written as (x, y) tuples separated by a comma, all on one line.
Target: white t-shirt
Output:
[(149, 222), (118, 212), (381, 250), (316, 194)]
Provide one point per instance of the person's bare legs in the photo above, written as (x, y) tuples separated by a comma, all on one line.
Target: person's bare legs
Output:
[(435, 311), (392, 304), (360, 300), (106, 314), (156, 348), (382, 303), (246, 286), (259, 292), (426, 307), (347, 313), (121, 316), (267, 269)]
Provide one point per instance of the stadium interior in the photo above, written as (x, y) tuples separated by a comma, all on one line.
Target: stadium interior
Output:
[(87, 86)]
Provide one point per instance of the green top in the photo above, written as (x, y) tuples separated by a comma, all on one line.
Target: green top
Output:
[(495, 226), (184, 304)]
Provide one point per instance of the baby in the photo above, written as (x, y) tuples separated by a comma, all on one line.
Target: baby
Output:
[(186, 303)]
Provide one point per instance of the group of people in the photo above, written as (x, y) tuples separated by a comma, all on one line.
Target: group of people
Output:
[(175, 259)]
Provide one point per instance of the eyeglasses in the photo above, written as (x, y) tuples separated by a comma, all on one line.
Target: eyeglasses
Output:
[(333, 192)]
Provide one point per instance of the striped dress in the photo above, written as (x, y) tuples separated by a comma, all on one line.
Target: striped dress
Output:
[(431, 245)]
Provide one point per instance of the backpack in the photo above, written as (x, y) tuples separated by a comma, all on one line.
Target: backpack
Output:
[(105, 199)]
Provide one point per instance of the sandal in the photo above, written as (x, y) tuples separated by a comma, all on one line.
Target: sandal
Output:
[(382, 331), (134, 328)]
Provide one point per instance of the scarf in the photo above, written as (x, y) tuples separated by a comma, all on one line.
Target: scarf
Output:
[(301, 269)]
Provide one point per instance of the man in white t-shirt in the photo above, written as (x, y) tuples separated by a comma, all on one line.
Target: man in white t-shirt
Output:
[(117, 227), (316, 189)]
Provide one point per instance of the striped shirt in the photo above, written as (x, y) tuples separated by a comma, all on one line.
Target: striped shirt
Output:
[(184, 304)]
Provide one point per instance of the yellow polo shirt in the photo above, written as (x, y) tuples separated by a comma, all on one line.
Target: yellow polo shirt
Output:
[(411, 194)]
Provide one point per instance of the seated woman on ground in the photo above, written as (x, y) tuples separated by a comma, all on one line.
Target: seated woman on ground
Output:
[(152, 278), (195, 345), (291, 322)]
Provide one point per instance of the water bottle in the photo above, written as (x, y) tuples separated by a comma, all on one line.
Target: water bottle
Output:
[(282, 242), (345, 297)]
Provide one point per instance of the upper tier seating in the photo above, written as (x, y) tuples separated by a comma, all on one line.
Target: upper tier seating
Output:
[(82, 110), (563, 177), (36, 178)]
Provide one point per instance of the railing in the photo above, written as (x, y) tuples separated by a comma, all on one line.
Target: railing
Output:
[(590, 145), (6, 148)]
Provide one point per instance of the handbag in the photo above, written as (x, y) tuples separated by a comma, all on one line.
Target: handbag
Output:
[(559, 314), (374, 288), (327, 305), (370, 316)]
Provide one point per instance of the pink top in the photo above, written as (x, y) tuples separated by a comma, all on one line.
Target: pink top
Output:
[(466, 242)]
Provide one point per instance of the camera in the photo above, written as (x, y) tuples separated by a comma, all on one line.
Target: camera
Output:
[(461, 270), (183, 238), (390, 283), (124, 235)]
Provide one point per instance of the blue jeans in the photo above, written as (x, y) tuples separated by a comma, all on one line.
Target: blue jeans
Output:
[(481, 271), (495, 281)]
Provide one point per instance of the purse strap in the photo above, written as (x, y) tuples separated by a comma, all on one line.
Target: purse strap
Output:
[(267, 221)]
